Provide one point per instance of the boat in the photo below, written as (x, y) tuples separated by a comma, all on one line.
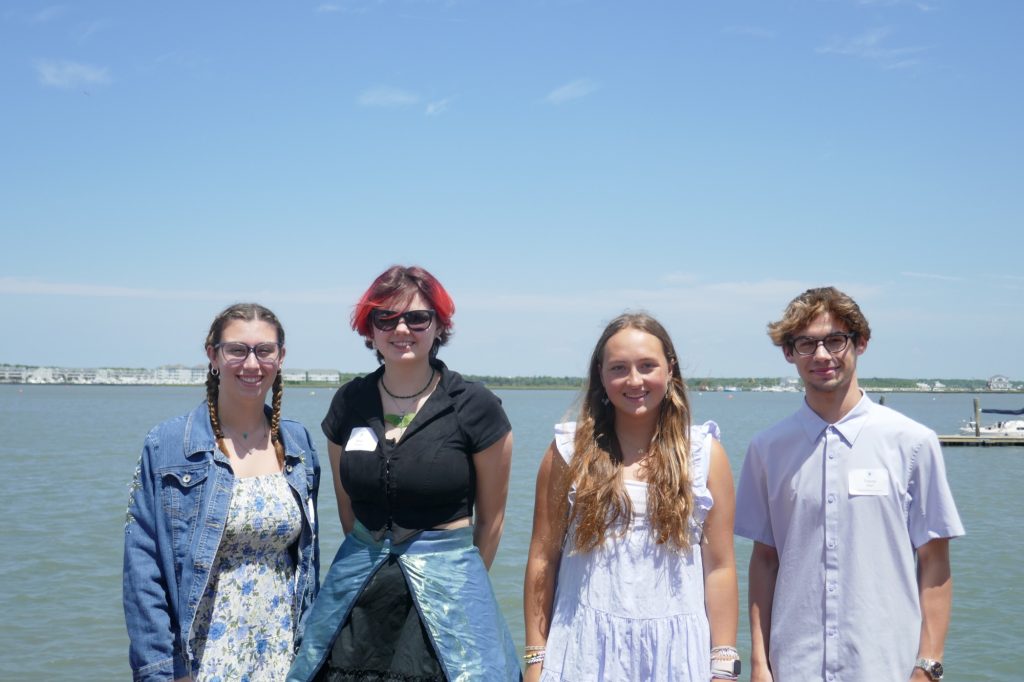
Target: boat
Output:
[(1011, 428)]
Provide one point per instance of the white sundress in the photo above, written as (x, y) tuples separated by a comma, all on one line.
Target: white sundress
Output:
[(244, 625), (633, 609)]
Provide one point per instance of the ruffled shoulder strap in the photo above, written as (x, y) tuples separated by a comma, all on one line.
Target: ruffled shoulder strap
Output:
[(565, 435), (701, 436)]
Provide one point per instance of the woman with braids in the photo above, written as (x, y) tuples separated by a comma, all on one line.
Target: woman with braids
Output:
[(631, 574), (220, 554), (421, 463)]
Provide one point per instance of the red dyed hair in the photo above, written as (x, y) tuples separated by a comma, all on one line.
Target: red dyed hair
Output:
[(393, 289)]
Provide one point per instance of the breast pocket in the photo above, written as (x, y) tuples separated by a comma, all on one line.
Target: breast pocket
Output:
[(182, 492)]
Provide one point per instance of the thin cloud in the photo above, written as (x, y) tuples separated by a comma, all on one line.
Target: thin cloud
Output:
[(387, 97), (70, 75), (38, 287), (679, 278), (90, 29), (929, 275), (328, 8), (574, 90), (749, 31), (923, 6), (437, 108), (871, 46), (48, 14)]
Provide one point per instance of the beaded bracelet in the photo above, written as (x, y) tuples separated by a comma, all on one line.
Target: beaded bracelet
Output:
[(534, 657), (725, 653), (725, 663)]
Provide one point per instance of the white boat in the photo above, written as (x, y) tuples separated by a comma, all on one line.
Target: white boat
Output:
[(1012, 428)]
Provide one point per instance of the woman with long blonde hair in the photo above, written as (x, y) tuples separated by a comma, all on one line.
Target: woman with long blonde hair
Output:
[(631, 573)]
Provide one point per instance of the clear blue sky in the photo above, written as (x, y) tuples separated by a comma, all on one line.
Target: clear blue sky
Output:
[(553, 162)]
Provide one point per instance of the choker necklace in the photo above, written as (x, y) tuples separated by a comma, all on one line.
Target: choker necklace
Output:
[(413, 395)]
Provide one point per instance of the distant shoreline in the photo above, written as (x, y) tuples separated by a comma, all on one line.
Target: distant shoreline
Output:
[(178, 375), (727, 388)]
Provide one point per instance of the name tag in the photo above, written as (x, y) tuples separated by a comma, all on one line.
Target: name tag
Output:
[(869, 482), (362, 438)]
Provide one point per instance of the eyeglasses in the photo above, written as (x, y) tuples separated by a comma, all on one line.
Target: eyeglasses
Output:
[(236, 352), (833, 343), (415, 320)]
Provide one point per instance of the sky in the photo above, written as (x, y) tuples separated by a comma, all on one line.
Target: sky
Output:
[(552, 162)]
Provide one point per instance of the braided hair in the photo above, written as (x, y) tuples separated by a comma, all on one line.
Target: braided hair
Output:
[(246, 312)]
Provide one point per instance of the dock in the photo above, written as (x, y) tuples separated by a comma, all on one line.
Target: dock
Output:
[(996, 436), (981, 441)]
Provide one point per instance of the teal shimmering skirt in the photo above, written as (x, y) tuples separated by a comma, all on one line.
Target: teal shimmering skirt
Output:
[(450, 591)]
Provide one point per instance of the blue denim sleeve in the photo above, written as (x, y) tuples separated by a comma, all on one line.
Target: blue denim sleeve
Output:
[(146, 601)]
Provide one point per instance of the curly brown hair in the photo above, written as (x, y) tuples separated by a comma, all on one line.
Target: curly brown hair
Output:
[(802, 310), (595, 472)]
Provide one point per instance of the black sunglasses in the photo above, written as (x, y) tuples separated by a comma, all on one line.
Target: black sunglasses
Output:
[(415, 320)]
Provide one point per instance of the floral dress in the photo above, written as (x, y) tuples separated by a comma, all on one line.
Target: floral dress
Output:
[(244, 625)]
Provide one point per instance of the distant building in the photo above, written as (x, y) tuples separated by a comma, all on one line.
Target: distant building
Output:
[(324, 375), (999, 383), (294, 375)]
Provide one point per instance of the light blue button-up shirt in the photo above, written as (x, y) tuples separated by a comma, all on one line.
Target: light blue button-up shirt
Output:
[(845, 505)]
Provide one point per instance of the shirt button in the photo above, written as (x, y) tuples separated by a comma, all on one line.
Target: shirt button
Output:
[(186, 478), (832, 632), (831, 544), (831, 455), (830, 677), (831, 587), (831, 499), (289, 468)]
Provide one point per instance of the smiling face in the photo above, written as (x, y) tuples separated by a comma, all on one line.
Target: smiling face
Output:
[(825, 373), (250, 379), (404, 345), (635, 373)]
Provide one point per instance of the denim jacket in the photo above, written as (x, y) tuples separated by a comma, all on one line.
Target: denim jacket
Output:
[(177, 508)]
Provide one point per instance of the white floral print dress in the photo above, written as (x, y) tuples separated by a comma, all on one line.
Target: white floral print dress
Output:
[(244, 625)]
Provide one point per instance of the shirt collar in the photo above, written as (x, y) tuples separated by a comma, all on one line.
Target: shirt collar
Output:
[(849, 427), (199, 436)]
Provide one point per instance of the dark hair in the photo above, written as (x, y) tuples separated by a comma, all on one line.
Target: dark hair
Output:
[(601, 500), (802, 310), (393, 289), (246, 312)]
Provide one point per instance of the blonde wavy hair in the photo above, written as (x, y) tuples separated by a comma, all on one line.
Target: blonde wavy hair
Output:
[(601, 502)]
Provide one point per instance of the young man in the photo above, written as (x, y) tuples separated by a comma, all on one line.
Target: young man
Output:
[(840, 499)]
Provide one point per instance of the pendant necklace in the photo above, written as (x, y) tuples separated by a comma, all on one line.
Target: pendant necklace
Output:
[(413, 395), (402, 421), (245, 437)]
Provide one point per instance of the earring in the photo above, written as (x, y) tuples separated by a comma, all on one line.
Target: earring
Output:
[(605, 401), (214, 371)]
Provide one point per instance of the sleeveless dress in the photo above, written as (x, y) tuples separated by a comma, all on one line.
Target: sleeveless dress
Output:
[(633, 609), (244, 625)]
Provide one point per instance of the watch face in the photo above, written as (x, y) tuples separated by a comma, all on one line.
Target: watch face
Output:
[(937, 670)]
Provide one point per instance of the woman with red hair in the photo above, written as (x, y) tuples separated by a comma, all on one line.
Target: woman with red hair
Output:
[(421, 461)]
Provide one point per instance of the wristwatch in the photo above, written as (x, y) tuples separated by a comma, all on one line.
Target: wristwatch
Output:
[(731, 673), (931, 668)]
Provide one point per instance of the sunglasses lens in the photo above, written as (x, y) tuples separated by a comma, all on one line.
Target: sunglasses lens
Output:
[(418, 320), (384, 320), (415, 320)]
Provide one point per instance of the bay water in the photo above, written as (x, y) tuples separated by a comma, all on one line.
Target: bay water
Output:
[(67, 454)]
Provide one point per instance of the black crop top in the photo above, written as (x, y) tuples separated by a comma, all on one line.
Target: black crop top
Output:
[(428, 477)]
